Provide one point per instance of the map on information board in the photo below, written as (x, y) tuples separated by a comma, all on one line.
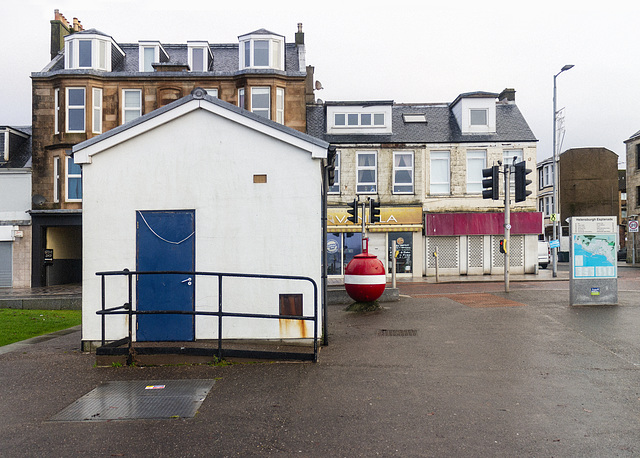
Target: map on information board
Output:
[(594, 256)]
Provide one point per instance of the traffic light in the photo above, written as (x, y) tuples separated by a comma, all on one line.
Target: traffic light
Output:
[(521, 181), (490, 185), (374, 211), (331, 164), (503, 247), (353, 211)]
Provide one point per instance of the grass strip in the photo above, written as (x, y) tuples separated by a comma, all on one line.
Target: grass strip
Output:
[(17, 325)]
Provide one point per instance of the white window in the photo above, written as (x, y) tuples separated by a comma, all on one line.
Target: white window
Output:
[(511, 157), (476, 161), (261, 101), (241, 98), (56, 179), (440, 173), (478, 117), (73, 181), (335, 189), (132, 104), (280, 105), (212, 92), (545, 205), (546, 176), (75, 109), (403, 172), (88, 51), (148, 58), (358, 119), (97, 110), (261, 51), (199, 54), (56, 113), (367, 172), (84, 53)]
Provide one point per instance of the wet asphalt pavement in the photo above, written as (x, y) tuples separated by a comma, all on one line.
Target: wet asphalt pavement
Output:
[(443, 372)]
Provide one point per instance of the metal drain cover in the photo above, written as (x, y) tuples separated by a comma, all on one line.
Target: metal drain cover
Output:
[(129, 400)]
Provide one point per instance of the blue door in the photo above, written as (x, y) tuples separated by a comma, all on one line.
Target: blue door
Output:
[(165, 241)]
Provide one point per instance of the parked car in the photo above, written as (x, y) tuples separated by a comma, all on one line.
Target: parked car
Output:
[(544, 254)]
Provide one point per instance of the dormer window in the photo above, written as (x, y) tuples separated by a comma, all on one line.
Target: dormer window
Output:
[(478, 117), (149, 53), (89, 51), (359, 119), (261, 50), (200, 56)]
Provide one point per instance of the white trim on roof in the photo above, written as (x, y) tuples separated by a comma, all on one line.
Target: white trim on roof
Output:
[(83, 153)]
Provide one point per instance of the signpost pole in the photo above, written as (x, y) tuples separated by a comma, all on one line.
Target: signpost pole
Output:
[(507, 223)]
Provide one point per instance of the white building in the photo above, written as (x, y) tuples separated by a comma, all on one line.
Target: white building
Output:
[(15, 203), (201, 185)]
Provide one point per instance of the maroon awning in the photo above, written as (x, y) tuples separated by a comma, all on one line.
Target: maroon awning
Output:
[(481, 223)]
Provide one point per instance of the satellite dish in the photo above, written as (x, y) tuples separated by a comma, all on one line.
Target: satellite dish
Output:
[(319, 86), (38, 199)]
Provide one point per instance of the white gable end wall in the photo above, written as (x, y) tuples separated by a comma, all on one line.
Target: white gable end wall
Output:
[(204, 162)]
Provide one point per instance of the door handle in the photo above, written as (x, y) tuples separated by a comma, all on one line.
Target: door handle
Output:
[(187, 281)]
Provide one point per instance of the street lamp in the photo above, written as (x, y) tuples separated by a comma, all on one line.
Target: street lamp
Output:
[(555, 174)]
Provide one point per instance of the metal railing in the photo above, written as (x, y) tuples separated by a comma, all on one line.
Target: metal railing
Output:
[(128, 307)]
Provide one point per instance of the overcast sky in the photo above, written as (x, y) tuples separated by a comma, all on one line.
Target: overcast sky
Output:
[(422, 51)]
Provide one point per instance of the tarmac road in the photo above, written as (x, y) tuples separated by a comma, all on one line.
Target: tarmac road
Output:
[(440, 373)]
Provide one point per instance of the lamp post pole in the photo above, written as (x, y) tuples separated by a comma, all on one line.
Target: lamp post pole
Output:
[(555, 174)]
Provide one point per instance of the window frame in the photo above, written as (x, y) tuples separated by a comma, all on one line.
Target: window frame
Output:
[(56, 111), (279, 105), (360, 168), (397, 169), (475, 184), (74, 176), (472, 111), (255, 91), (274, 53), (377, 120), (70, 107), (56, 179), (440, 155), (126, 109), (507, 159), (241, 97), (96, 95), (335, 189)]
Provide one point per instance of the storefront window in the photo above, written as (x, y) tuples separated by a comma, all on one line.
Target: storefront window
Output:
[(334, 253), (342, 247), (404, 247)]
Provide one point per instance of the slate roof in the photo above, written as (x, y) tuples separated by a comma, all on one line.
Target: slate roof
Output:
[(20, 149), (441, 126), (225, 61)]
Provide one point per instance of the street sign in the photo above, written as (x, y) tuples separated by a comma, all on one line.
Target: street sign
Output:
[(554, 243), (633, 226), (553, 217)]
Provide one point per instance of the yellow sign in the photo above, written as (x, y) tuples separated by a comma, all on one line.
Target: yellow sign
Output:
[(337, 216)]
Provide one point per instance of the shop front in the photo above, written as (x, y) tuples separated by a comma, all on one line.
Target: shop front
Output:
[(402, 224)]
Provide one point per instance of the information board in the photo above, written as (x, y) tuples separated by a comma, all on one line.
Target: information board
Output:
[(595, 243)]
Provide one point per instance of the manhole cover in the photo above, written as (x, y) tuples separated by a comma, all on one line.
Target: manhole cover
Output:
[(129, 400)]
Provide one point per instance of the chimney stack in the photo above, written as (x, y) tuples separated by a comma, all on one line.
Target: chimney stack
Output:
[(299, 35), (507, 96)]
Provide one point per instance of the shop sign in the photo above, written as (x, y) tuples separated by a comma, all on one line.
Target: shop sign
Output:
[(388, 215)]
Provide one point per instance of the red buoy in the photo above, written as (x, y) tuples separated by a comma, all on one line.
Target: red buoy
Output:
[(365, 277)]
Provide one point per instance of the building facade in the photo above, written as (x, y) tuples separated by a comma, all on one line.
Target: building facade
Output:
[(633, 191), (94, 84), (198, 211), (15, 220), (423, 163)]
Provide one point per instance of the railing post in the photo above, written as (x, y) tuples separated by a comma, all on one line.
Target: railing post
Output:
[(103, 317), (219, 317)]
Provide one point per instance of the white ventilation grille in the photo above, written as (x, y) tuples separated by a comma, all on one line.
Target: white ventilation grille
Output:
[(475, 250), (447, 252)]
